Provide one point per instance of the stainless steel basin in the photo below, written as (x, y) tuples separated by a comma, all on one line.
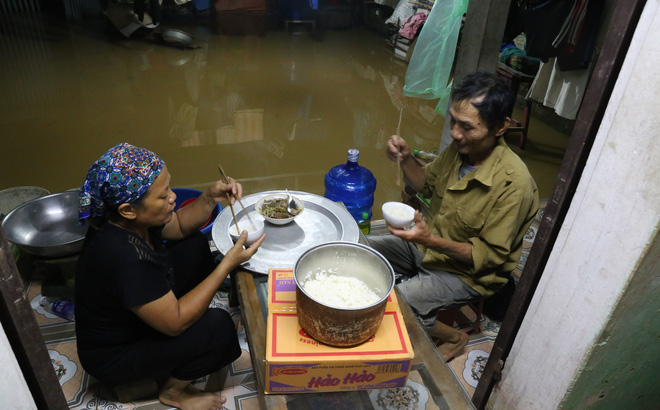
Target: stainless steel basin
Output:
[(48, 226)]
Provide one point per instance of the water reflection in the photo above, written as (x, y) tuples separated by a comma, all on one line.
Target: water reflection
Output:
[(277, 110)]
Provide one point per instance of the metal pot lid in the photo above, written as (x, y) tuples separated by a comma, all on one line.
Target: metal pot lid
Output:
[(177, 37)]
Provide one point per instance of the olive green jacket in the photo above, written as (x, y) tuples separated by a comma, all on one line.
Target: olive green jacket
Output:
[(491, 207)]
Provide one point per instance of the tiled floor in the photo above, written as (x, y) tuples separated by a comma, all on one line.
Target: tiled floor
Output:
[(237, 383), (469, 366)]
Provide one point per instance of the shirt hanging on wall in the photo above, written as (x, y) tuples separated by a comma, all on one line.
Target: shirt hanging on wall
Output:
[(558, 89), (562, 77), (541, 21), (577, 38)]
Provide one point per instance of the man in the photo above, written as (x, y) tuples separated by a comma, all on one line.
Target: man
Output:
[(483, 199)]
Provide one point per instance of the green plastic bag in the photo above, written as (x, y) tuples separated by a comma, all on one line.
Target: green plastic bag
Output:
[(430, 66)]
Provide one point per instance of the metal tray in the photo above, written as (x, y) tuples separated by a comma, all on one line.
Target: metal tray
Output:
[(322, 221)]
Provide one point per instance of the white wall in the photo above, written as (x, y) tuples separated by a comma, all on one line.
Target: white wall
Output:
[(14, 392), (612, 218)]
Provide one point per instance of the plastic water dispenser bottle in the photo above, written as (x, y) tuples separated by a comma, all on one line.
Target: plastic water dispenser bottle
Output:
[(353, 185), (59, 307)]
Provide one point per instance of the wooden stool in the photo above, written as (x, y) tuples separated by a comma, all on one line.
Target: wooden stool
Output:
[(449, 316)]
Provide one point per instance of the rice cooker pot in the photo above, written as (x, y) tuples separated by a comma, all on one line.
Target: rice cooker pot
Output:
[(338, 326)]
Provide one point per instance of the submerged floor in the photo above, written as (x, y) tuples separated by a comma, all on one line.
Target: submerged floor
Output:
[(277, 110)]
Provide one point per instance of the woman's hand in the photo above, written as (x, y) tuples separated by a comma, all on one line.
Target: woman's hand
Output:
[(173, 316), (219, 190), (237, 254), (189, 219)]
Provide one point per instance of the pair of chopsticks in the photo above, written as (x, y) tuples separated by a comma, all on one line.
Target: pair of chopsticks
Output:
[(398, 161), (223, 176)]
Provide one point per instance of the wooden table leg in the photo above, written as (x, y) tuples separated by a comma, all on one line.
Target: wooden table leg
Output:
[(255, 329)]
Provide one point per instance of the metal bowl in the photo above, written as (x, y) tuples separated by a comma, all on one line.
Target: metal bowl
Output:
[(47, 227), (338, 326), (177, 38)]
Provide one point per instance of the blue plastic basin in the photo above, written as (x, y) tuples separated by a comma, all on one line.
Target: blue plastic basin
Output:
[(185, 196)]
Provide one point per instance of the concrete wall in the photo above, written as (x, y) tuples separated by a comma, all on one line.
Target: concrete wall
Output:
[(14, 391), (622, 366), (591, 335)]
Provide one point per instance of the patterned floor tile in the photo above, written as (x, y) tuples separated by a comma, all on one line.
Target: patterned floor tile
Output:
[(468, 367), (414, 396), (236, 382), (245, 397)]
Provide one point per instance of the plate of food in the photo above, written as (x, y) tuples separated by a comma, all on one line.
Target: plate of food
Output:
[(273, 208), (322, 221)]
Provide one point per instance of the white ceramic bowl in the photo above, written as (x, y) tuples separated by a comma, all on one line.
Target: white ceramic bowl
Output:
[(245, 225), (398, 214), (279, 221)]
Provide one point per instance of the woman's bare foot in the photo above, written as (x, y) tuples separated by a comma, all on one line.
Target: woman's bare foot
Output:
[(449, 350), (183, 395)]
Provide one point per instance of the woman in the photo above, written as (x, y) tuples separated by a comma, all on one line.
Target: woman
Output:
[(146, 277)]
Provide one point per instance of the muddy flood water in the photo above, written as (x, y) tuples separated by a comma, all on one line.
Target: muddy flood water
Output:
[(276, 109)]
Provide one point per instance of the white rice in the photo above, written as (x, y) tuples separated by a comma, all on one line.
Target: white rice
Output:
[(243, 225), (246, 227), (398, 212), (339, 291)]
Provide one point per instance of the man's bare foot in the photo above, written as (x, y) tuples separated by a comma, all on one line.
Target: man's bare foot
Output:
[(449, 350), (185, 396)]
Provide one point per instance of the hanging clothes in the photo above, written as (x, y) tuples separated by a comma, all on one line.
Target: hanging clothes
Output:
[(577, 38), (561, 82), (429, 69), (541, 20), (139, 8), (412, 25), (558, 89)]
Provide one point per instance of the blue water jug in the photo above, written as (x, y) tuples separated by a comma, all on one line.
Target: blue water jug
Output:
[(353, 185)]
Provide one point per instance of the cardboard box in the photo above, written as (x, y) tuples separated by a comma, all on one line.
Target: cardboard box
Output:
[(297, 363)]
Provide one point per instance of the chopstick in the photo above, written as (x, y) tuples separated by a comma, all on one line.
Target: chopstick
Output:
[(398, 161), (226, 181), (234, 216)]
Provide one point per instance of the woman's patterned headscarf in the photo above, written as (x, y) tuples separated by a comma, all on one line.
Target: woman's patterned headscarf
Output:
[(120, 176)]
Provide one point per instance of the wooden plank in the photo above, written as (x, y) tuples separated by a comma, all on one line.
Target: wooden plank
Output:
[(255, 329), (619, 35), (23, 333)]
